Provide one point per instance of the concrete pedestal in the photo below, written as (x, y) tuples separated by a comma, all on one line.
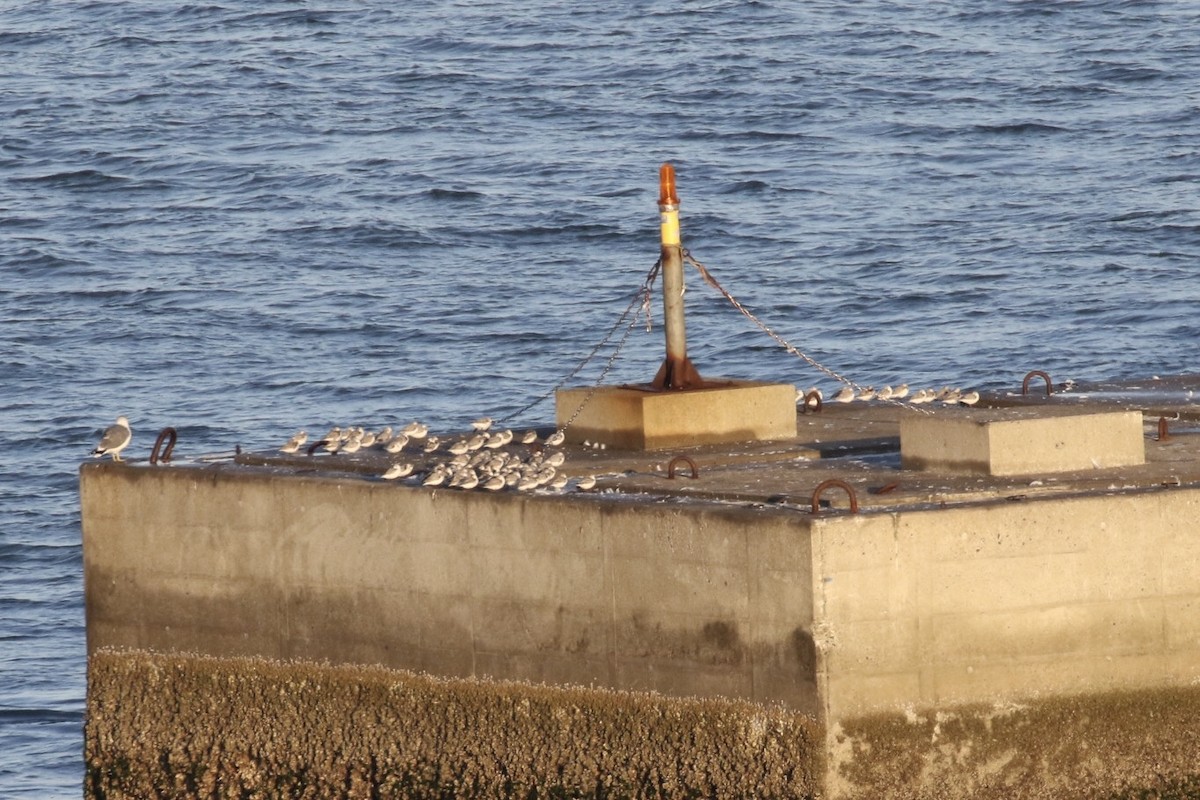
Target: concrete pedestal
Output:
[(1014, 441), (639, 418)]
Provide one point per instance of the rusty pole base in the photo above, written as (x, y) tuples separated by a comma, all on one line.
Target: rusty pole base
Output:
[(677, 373)]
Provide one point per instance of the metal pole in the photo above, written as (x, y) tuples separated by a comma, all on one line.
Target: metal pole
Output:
[(676, 371)]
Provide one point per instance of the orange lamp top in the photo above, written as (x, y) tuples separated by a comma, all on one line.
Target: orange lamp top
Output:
[(666, 186)]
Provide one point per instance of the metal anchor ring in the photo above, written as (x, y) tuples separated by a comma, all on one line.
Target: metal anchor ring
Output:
[(1037, 373), (840, 484), (812, 402), (169, 436), (671, 466)]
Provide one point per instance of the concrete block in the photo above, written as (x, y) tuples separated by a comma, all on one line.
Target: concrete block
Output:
[(637, 418), (1021, 441)]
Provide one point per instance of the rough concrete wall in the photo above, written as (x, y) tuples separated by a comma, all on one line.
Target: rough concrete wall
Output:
[(176, 726), (978, 604), (1140, 745), (642, 596)]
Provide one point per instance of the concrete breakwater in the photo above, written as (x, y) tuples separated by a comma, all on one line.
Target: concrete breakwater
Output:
[(202, 727), (962, 635)]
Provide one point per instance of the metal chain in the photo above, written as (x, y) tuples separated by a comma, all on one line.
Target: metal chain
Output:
[(643, 298), (765, 328)]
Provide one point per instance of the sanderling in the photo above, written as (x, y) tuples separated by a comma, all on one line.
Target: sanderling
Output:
[(900, 392), (396, 444), (482, 424), (556, 438), (436, 476), (970, 398), (293, 444), (401, 469), (467, 479), (415, 430), (432, 443), (528, 437), (115, 439), (559, 483), (846, 395), (494, 483), (556, 458), (867, 394), (586, 483)]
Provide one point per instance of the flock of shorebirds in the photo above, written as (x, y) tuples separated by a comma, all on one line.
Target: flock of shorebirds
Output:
[(482, 458), (898, 394)]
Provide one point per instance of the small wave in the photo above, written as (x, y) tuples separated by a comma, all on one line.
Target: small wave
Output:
[(74, 179), (438, 193), (1020, 128)]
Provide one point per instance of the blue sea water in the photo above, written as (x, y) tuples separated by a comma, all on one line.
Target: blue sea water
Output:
[(240, 219)]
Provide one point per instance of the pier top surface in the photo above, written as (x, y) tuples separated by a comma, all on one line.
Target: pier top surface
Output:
[(857, 443)]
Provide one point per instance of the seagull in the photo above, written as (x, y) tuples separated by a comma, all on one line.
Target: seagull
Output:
[(482, 424), (400, 469), (586, 483), (115, 439), (846, 395), (556, 438)]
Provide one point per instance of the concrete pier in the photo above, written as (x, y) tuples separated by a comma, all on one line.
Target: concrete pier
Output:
[(939, 640)]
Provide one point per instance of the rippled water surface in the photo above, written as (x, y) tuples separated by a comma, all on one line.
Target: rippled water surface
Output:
[(244, 218)]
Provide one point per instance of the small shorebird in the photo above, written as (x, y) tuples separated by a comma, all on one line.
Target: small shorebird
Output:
[(900, 392), (885, 393), (401, 469), (436, 476), (556, 438), (293, 444), (556, 458), (415, 430), (396, 444), (115, 439), (921, 396), (494, 483), (970, 398), (482, 424), (846, 395), (867, 394), (528, 437), (586, 483)]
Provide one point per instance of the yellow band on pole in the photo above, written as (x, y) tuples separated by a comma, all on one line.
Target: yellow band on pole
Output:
[(670, 226)]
